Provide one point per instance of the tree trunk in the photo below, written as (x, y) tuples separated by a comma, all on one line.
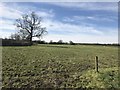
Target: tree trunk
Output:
[(31, 34), (31, 40)]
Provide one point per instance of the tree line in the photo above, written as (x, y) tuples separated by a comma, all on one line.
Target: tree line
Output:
[(15, 42), (53, 42)]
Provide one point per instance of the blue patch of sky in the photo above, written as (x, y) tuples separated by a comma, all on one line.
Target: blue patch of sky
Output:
[(8, 30), (62, 12), (71, 33), (60, 32), (7, 18)]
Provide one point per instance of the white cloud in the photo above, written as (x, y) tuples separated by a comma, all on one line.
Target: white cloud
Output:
[(67, 19), (71, 28), (60, 0), (79, 33), (6, 28), (109, 6), (15, 11), (46, 13), (93, 18), (8, 14), (7, 25), (80, 38)]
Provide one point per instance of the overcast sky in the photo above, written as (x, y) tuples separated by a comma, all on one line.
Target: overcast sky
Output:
[(80, 22)]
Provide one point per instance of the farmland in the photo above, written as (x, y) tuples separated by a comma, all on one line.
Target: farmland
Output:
[(59, 66)]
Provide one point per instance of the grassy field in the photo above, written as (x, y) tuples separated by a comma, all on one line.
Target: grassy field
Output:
[(60, 66)]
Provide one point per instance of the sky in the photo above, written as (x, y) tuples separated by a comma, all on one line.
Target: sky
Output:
[(80, 22)]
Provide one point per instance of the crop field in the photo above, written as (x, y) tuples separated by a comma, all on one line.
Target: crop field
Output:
[(59, 66)]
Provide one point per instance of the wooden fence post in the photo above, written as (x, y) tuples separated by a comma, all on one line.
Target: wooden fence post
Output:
[(96, 64)]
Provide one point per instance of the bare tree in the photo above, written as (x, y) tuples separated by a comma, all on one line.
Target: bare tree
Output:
[(60, 42), (71, 43), (30, 26)]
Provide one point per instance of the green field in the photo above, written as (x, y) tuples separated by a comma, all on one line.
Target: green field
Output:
[(59, 66)]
